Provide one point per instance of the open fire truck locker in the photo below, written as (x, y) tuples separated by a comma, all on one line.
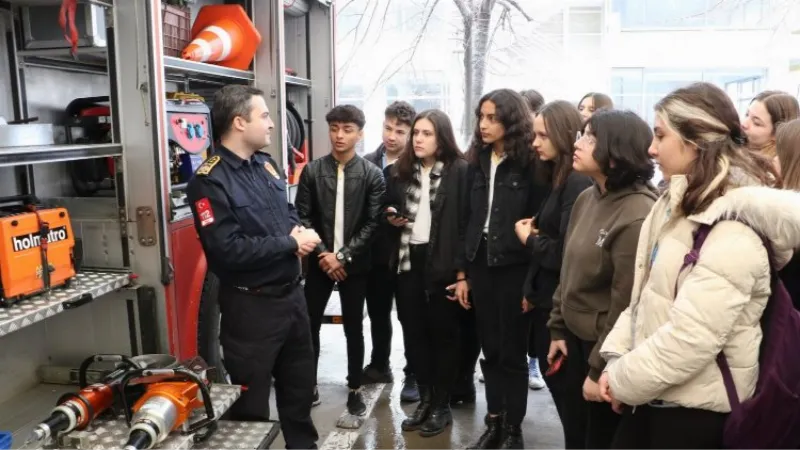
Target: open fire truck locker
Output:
[(100, 131)]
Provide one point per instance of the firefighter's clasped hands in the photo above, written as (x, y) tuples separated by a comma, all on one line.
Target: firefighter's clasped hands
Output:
[(306, 238)]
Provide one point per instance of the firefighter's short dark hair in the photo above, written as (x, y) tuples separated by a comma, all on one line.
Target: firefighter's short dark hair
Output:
[(230, 102)]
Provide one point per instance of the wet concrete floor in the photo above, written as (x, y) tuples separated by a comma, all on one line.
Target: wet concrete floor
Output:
[(381, 429)]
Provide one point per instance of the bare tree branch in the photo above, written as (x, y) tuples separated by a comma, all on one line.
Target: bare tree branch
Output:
[(354, 29), (369, 24), (345, 6), (346, 65), (464, 9), (413, 47), (478, 32), (515, 5), (381, 27), (503, 16)]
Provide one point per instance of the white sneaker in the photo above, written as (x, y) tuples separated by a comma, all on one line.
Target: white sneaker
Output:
[(535, 380)]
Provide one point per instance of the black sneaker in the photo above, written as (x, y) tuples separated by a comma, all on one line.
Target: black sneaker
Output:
[(316, 401), (373, 374), (355, 404)]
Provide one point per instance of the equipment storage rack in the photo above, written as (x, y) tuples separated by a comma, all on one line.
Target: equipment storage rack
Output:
[(135, 293)]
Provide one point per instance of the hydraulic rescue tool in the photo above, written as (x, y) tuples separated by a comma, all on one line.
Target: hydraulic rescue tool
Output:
[(76, 411), (167, 404)]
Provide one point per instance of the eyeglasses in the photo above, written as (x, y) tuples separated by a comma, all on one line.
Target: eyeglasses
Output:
[(589, 138)]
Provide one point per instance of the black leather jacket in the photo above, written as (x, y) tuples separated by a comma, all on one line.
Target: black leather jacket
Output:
[(364, 192)]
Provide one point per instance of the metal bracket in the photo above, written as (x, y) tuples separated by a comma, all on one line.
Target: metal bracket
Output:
[(109, 16), (146, 226)]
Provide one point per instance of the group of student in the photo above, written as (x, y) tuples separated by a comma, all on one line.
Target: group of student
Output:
[(546, 238)]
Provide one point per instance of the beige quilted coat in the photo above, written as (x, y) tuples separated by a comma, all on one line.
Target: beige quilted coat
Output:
[(663, 346)]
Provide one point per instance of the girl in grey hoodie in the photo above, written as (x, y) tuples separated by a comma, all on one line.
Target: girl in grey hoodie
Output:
[(597, 269)]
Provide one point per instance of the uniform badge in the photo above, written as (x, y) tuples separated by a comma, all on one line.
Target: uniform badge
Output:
[(209, 164), (204, 211), (271, 170)]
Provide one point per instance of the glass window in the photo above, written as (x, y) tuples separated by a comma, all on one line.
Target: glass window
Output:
[(691, 13), (629, 102), (421, 94), (423, 104), (351, 90), (626, 81), (742, 91), (640, 89), (631, 12), (426, 89)]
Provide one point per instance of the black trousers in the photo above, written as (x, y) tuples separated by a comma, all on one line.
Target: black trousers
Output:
[(380, 295), (586, 424), (264, 337), (352, 292), (431, 323), (469, 345), (539, 337), (503, 333), (657, 427)]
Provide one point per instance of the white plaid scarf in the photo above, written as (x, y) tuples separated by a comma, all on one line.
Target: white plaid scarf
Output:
[(412, 206)]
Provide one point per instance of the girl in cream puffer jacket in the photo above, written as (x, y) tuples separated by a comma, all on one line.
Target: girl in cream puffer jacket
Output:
[(661, 352)]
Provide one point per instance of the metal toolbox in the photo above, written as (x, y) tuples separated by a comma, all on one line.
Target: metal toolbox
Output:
[(41, 30)]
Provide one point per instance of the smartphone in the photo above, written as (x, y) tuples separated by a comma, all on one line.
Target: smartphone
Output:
[(556, 366), (395, 214)]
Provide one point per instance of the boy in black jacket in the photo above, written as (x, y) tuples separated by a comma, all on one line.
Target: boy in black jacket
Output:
[(381, 280)]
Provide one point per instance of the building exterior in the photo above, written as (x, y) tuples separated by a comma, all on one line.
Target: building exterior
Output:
[(634, 50)]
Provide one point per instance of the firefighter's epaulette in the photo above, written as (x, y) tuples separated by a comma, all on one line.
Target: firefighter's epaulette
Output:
[(209, 164)]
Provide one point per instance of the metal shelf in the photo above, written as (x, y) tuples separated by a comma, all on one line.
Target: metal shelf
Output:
[(85, 285), (298, 81), (197, 71), (104, 3), (20, 414), (18, 156)]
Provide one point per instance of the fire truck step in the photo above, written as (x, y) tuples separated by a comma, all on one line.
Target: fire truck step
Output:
[(242, 435)]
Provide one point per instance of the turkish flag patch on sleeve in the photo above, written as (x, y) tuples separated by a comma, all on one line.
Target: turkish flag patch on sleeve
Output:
[(204, 212)]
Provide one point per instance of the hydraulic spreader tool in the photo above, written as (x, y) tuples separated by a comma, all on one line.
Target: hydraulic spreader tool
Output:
[(167, 404)]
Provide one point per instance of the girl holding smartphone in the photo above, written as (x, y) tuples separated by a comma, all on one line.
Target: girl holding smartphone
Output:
[(426, 191)]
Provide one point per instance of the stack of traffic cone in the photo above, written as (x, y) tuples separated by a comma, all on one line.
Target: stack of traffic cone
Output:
[(223, 35)]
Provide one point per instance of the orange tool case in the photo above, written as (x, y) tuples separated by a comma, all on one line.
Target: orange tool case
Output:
[(32, 239)]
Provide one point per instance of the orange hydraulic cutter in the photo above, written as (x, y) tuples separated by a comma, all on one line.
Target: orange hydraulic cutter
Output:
[(36, 250)]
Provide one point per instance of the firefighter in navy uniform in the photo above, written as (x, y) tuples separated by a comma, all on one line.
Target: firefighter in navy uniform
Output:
[(253, 242)]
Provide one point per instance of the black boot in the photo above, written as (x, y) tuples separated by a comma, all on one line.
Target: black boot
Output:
[(420, 415), (493, 434), (464, 391), (440, 417), (512, 437), (410, 392)]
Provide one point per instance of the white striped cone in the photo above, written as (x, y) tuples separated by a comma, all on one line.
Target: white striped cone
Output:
[(215, 43)]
